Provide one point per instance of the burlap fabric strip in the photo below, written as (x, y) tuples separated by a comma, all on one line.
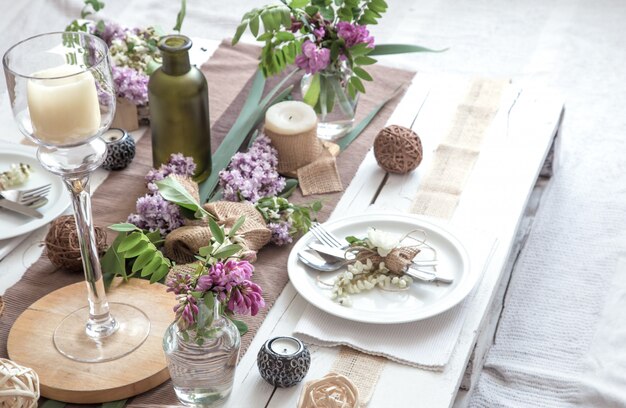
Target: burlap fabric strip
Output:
[(309, 159), (116, 197)]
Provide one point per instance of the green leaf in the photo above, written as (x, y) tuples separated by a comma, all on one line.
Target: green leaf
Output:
[(130, 241), (345, 141), (239, 32), (152, 266), (311, 10), (160, 273), (113, 263), (268, 20), (142, 261), (123, 227), (216, 231), (180, 17), (236, 226), (364, 60), (360, 49), (387, 49), (356, 82), (115, 404), (285, 14), (361, 73), (290, 187), (313, 93), (173, 191), (298, 3), (316, 206), (284, 36), (227, 251), (206, 250), (138, 249), (254, 25), (241, 326)]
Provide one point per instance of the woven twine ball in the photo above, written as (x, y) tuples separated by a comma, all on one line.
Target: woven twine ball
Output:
[(62, 244), (398, 149), (19, 386)]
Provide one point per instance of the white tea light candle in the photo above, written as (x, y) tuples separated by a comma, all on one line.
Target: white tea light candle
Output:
[(286, 346), (63, 105), (290, 118)]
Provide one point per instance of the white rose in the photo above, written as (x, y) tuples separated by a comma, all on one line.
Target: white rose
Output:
[(384, 242)]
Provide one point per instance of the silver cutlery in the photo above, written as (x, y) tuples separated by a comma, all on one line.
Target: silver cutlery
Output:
[(25, 201), (342, 254), (312, 259)]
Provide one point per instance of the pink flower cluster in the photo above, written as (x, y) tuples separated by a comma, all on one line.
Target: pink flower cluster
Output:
[(230, 283), (313, 59), (354, 34)]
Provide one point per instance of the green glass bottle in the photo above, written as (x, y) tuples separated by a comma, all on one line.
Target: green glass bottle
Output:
[(179, 107)]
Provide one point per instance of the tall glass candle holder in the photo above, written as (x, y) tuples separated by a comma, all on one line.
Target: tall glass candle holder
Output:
[(63, 98)]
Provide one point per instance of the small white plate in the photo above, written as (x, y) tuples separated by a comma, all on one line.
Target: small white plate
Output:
[(12, 224), (422, 300)]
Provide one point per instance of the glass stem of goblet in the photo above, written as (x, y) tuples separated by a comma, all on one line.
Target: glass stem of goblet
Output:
[(100, 323)]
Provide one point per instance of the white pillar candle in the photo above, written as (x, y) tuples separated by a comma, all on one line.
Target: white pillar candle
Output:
[(290, 118), (285, 346), (63, 105)]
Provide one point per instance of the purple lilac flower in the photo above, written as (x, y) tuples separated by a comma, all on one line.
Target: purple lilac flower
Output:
[(319, 33), (252, 175), (280, 233), (179, 283), (246, 299), (313, 59), (111, 31), (154, 213), (130, 84), (177, 164), (354, 34)]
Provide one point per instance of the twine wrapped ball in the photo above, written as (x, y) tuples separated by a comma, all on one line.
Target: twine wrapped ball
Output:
[(19, 386), (398, 149), (62, 244)]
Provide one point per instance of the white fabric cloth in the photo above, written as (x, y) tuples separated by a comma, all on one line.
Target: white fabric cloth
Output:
[(426, 344)]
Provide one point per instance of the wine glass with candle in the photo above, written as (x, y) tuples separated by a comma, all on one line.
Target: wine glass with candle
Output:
[(63, 98)]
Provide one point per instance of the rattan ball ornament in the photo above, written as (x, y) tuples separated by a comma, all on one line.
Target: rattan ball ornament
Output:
[(62, 246), (19, 386), (398, 149)]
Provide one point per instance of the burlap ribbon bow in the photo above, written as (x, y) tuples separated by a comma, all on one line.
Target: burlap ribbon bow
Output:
[(396, 261), (182, 244)]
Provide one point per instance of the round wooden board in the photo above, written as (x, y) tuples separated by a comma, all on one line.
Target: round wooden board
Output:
[(30, 344)]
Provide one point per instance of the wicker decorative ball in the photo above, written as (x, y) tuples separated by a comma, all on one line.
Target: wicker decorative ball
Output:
[(62, 245), (19, 386), (398, 149)]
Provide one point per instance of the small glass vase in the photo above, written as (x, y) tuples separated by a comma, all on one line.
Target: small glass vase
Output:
[(202, 368), (334, 106)]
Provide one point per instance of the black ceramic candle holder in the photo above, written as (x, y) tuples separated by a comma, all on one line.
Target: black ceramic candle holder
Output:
[(283, 361)]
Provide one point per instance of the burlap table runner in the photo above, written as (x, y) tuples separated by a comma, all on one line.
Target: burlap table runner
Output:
[(229, 73)]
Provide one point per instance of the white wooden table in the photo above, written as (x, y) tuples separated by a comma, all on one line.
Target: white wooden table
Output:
[(499, 199), (494, 201)]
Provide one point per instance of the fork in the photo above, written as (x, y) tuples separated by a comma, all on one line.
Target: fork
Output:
[(32, 197)]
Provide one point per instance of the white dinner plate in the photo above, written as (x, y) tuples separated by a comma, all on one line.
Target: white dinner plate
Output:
[(422, 300), (13, 224)]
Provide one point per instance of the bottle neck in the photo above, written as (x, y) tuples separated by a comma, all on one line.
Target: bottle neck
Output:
[(175, 54)]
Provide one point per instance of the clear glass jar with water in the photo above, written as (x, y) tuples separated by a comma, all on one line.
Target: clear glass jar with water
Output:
[(203, 370)]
